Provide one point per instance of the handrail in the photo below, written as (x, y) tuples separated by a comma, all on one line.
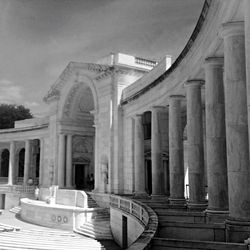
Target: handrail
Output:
[(179, 59), (144, 214), (130, 207)]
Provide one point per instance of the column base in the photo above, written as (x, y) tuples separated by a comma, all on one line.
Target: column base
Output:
[(140, 194), (177, 201), (237, 231), (216, 216), (159, 197), (197, 206)]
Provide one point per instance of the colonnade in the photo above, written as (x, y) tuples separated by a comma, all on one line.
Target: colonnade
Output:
[(227, 146), (27, 162)]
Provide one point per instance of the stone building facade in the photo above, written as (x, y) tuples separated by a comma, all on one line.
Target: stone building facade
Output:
[(143, 127)]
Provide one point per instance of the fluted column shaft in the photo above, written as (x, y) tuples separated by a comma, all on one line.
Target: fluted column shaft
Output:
[(69, 162), (41, 167), (157, 167), (236, 121), (61, 160), (176, 160), (247, 53), (139, 156), (11, 162), (195, 144), (26, 162), (216, 135)]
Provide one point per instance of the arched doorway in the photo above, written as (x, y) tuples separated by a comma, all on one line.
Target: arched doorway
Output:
[(79, 119), (4, 170)]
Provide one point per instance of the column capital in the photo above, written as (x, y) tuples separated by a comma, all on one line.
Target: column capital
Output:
[(232, 29), (214, 61), (194, 83)]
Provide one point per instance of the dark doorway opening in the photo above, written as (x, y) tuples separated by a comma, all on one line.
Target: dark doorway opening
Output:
[(148, 176), (80, 176), (2, 201), (124, 232)]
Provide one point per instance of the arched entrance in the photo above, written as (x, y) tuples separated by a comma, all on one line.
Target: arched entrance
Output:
[(78, 121)]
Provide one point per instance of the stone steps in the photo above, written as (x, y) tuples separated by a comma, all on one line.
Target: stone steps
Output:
[(46, 239), (177, 244), (91, 202), (180, 228), (8, 228), (96, 230), (98, 227), (180, 216), (15, 210)]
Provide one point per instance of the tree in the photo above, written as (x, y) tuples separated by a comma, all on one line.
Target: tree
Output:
[(9, 113)]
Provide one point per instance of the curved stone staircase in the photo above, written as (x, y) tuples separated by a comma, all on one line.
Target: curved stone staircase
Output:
[(99, 226), (180, 228)]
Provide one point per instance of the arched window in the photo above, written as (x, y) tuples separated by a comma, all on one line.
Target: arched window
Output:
[(21, 163), (4, 171), (146, 122)]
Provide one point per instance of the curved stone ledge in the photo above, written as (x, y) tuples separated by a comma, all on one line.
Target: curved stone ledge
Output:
[(130, 96)]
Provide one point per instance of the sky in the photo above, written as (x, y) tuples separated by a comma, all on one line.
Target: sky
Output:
[(38, 38)]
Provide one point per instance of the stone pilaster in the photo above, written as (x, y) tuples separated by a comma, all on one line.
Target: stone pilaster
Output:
[(195, 145), (216, 138), (41, 167), (69, 162), (26, 162), (97, 165), (156, 151), (176, 160), (61, 160), (238, 226), (11, 163), (139, 156)]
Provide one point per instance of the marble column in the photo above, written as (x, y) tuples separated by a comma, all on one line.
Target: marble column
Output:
[(69, 162), (216, 137), (61, 160), (26, 162), (236, 132), (157, 166), (176, 160), (139, 156), (41, 167), (247, 53), (11, 163), (195, 145)]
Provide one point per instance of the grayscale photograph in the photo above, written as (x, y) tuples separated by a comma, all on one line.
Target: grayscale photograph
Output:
[(124, 124)]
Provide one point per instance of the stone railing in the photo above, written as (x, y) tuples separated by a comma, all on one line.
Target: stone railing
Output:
[(22, 189), (5, 189), (130, 207), (142, 214), (17, 189)]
